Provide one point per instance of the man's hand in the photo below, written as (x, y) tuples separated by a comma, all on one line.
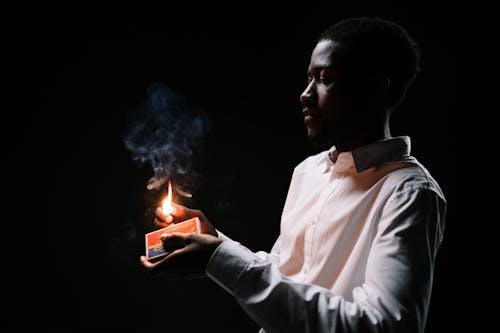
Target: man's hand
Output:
[(188, 254), (180, 213)]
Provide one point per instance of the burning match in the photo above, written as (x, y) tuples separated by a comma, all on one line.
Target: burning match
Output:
[(167, 202), (154, 245), (155, 183)]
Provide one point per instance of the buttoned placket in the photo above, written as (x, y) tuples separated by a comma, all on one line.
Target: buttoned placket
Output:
[(308, 242), (340, 170), (313, 223)]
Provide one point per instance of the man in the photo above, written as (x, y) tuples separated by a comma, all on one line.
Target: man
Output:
[(363, 220)]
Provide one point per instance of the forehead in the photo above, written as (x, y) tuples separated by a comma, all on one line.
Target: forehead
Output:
[(324, 54)]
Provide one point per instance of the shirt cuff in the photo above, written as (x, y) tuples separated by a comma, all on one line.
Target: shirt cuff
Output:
[(228, 262), (221, 236)]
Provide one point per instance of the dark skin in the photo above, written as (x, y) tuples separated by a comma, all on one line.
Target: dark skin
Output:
[(338, 110), (188, 253)]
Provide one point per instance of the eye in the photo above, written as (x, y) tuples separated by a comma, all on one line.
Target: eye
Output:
[(327, 77), (326, 80)]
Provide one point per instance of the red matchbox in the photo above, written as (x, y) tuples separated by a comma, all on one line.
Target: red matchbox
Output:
[(154, 245)]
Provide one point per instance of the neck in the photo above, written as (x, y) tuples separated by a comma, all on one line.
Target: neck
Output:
[(364, 137)]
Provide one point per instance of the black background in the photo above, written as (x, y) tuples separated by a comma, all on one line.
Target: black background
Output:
[(80, 202)]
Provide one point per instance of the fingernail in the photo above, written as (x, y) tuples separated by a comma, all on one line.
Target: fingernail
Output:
[(163, 236)]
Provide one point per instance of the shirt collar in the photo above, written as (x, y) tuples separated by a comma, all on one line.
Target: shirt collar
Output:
[(375, 153)]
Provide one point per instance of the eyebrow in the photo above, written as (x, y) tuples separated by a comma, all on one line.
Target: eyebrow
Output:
[(318, 69)]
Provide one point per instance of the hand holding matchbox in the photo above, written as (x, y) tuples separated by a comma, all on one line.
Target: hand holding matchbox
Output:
[(154, 245)]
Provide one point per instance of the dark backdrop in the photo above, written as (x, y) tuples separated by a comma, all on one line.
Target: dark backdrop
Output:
[(81, 206)]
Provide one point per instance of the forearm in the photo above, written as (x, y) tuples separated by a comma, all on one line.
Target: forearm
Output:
[(272, 256)]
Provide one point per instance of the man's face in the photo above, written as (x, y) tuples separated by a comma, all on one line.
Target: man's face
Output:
[(326, 108)]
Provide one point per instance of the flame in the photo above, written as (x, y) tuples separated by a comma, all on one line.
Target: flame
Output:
[(167, 202)]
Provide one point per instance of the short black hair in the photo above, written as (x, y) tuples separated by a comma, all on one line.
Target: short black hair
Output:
[(377, 46)]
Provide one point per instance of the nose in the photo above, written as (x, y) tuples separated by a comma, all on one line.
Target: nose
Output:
[(307, 95)]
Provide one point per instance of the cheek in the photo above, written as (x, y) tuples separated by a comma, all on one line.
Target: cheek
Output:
[(328, 95), (336, 112), (329, 104)]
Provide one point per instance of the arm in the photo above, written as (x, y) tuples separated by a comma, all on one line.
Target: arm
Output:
[(189, 253), (272, 256), (394, 297)]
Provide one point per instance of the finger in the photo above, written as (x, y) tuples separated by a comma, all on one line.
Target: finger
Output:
[(161, 265), (159, 223), (167, 265), (172, 260), (184, 212), (162, 224), (178, 211), (146, 263), (174, 239), (154, 267), (159, 214)]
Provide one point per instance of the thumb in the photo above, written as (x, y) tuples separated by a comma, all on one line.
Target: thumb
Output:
[(183, 212), (174, 240)]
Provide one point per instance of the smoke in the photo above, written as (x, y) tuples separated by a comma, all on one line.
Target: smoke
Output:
[(168, 134)]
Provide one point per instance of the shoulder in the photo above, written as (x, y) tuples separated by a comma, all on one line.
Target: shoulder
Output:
[(412, 179)]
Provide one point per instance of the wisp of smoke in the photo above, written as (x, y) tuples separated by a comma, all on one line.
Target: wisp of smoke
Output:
[(167, 133)]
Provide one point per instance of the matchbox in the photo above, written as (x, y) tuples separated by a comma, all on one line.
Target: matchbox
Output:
[(154, 245)]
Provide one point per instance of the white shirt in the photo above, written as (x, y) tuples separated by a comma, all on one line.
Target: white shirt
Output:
[(359, 235)]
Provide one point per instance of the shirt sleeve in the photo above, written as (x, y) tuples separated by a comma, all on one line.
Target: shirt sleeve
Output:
[(393, 298), (272, 256)]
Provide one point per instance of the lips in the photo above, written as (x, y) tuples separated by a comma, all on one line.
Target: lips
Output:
[(310, 114), (312, 118)]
